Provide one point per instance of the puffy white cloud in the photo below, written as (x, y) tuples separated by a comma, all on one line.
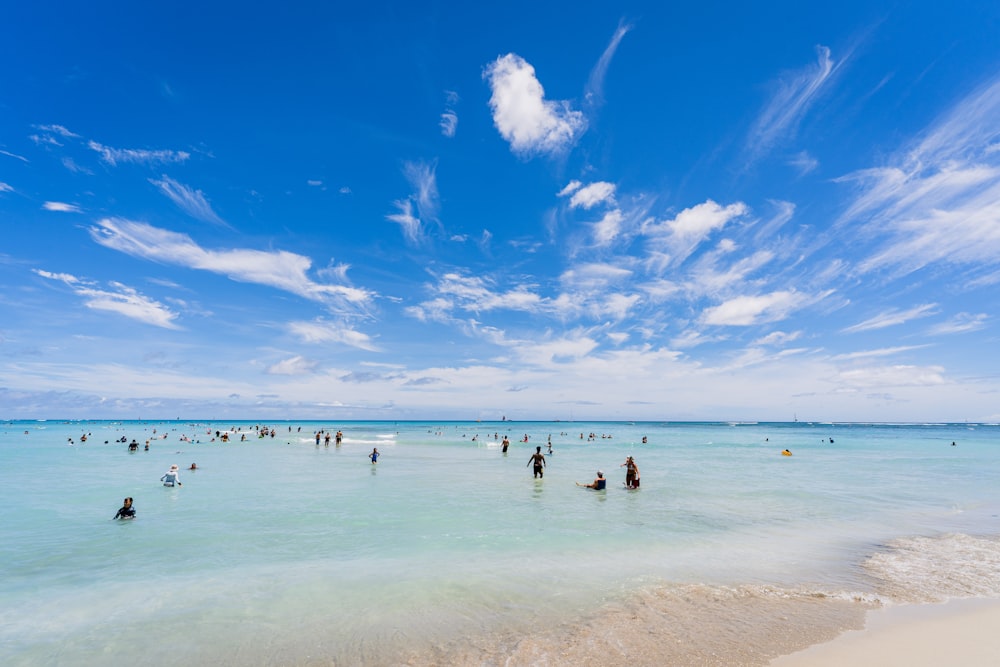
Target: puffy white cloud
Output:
[(591, 195), (674, 240), (530, 123)]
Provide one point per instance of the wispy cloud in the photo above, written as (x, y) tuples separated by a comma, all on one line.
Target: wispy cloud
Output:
[(115, 156), (893, 317), (594, 92), (409, 223), (449, 119), (297, 365), (937, 200), (4, 187), (530, 123), (449, 123), (119, 299), (278, 269), (794, 95), (425, 200), (14, 155), (189, 200), (803, 162), (749, 310), (672, 241), (961, 323), (61, 207), (322, 331)]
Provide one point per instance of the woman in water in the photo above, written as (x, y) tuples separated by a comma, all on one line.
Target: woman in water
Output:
[(171, 477)]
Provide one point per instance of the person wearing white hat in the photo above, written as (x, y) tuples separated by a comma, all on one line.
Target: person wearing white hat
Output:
[(171, 477)]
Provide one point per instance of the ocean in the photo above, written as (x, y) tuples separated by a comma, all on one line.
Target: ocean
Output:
[(279, 551)]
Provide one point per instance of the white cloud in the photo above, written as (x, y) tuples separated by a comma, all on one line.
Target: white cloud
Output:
[(449, 123), (120, 299), (190, 201), (314, 183), (961, 323), (61, 207), (115, 156), (607, 228), (893, 376), (279, 269), (804, 163), (425, 200), (778, 338), (594, 276), (4, 187), (748, 310), (682, 235), (14, 155), (594, 94), (530, 123), (58, 129), (893, 317), (795, 94), (938, 199), (408, 222), (321, 331), (593, 194), (296, 365), (570, 188)]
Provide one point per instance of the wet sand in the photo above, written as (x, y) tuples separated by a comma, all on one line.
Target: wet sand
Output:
[(961, 632)]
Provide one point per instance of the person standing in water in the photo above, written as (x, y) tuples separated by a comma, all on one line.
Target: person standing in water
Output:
[(171, 477), (631, 473), (505, 444), (127, 511), (538, 459), (374, 455)]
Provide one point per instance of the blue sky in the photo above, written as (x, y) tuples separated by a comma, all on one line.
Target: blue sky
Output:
[(620, 210)]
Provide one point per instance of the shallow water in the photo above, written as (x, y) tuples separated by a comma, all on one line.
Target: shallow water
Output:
[(278, 551)]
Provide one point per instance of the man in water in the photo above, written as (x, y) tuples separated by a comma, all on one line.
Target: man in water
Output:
[(598, 484), (538, 459), (505, 444), (127, 511)]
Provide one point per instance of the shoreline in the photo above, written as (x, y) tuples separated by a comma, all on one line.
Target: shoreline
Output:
[(957, 632)]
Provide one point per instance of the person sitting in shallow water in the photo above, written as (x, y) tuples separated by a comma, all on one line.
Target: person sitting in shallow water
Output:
[(598, 484), (127, 511)]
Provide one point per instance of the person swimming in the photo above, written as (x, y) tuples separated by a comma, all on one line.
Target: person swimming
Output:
[(127, 511)]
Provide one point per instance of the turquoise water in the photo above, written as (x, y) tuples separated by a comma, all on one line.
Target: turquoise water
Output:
[(279, 551)]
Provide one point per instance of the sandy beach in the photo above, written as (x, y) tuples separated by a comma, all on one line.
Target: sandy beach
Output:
[(960, 632)]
